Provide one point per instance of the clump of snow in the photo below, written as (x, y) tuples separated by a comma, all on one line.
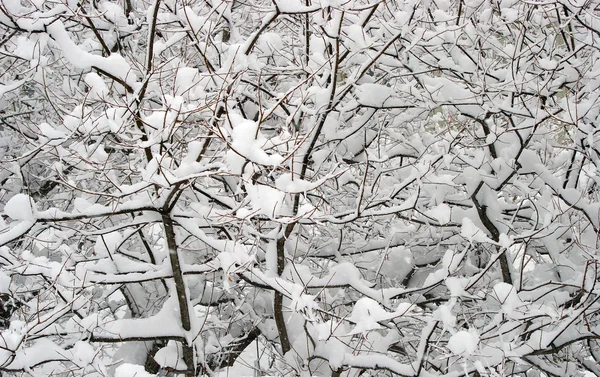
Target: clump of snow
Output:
[(113, 12), (52, 133), (450, 263), (30, 48), (36, 353), (510, 15), (357, 38), (405, 307), (287, 183), (12, 86), (72, 120), (375, 95), (471, 232), (116, 118), (266, 200), (84, 353), (451, 260), (171, 356), (98, 88), (366, 314), (247, 144), (456, 286), (270, 43), (505, 240), (107, 243), (20, 207), (187, 78), (326, 329), (303, 303), (397, 263), (547, 64), (441, 213), (114, 64), (463, 343), (294, 6), (336, 352), (196, 22), (444, 314), (236, 60), (507, 295), (228, 262), (445, 90), (4, 282), (132, 370)]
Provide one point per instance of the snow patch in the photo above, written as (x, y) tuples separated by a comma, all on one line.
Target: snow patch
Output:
[(20, 207), (441, 213), (132, 370), (247, 144), (463, 343)]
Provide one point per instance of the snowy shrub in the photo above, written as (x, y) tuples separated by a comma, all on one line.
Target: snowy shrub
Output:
[(311, 188)]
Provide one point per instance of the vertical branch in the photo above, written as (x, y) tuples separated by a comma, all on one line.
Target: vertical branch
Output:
[(188, 351), (151, 35), (127, 8), (105, 48), (290, 227), (149, 55), (495, 233), (278, 299), (307, 34)]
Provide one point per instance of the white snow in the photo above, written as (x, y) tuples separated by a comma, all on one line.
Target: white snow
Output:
[(248, 362), (366, 314), (463, 343), (98, 88), (114, 13), (270, 43), (358, 39), (107, 243), (471, 232), (455, 286), (303, 303), (52, 133), (228, 263), (396, 263), (444, 90), (288, 183), (27, 357), (36, 20), (444, 314), (441, 213), (266, 200), (84, 353), (507, 295), (4, 282), (247, 143), (20, 207), (171, 356), (9, 87), (376, 95), (17, 229), (132, 370), (167, 322), (295, 6), (114, 64)]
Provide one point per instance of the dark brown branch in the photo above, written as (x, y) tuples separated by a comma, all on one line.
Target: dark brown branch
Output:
[(495, 233), (184, 311)]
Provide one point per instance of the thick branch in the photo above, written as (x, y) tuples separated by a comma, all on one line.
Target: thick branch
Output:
[(188, 351)]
